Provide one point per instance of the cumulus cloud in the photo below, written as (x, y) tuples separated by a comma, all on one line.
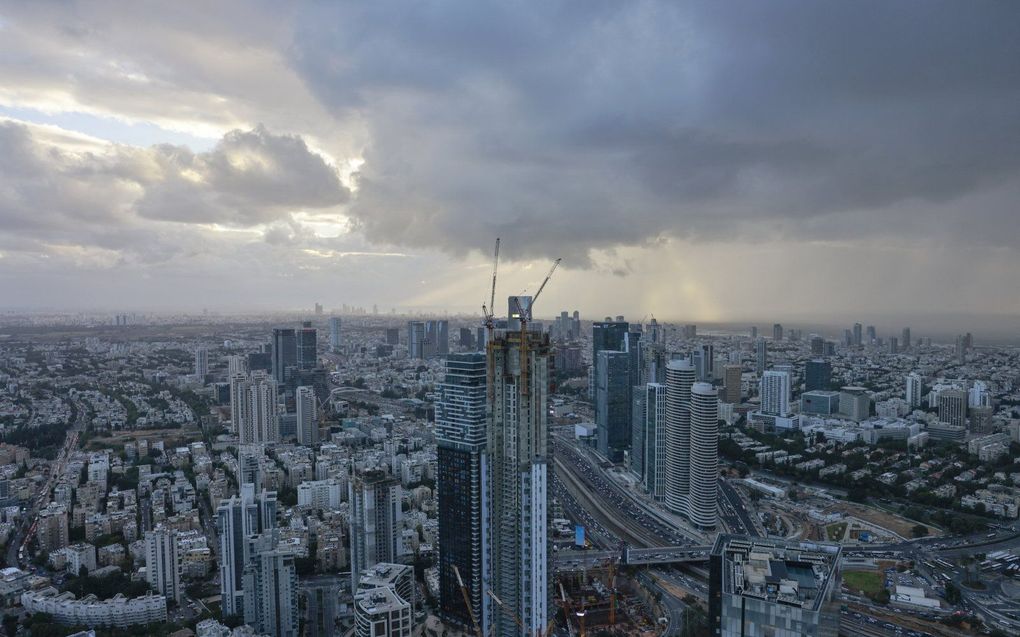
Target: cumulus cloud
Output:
[(131, 199)]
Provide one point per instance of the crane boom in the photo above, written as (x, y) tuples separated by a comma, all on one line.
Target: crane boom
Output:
[(495, 268), (555, 265), (467, 602)]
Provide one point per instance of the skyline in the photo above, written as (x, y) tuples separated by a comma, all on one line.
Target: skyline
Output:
[(712, 162)]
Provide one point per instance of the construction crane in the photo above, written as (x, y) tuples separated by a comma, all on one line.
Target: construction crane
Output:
[(612, 592), (525, 318), (579, 613), (511, 613), (490, 322), (467, 602), (489, 312)]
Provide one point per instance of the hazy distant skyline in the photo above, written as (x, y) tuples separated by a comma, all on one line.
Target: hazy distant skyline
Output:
[(702, 161)]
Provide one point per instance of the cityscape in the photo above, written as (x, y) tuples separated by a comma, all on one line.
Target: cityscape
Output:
[(502, 319)]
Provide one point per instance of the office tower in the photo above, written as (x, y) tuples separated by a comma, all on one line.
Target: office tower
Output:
[(375, 520), (754, 332), (201, 364), (775, 393), (913, 390), (442, 337), (680, 378), (819, 402), (761, 358), (855, 403), (978, 395), (518, 454), (318, 309), (238, 401), (163, 563), (259, 419), (858, 338), (612, 398), (817, 346), (380, 612), (732, 380), (632, 345), (307, 357), (416, 339), (321, 600), (284, 352), (703, 498), (392, 336), (817, 375), (905, 339), (334, 334), (774, 587), (236, 365), (467, 339), (894, 345), (270, 588), (607, 335), (237, 519), (704, 362), (460, 442), (515, 305), (872, 335), (655, 464), (848, 338), (638, 415), (307, 416), (777, 332), (480, 338), (952, 405)]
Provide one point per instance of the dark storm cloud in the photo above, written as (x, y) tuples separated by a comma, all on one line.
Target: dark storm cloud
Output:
[(569, 126)]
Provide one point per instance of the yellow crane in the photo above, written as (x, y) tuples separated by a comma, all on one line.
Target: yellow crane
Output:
[(467, 602), (490, 322), (525, 318)]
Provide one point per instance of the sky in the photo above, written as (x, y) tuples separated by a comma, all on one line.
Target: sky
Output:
[(700, 160)]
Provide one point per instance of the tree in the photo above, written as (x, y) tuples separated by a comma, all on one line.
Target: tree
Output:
[(919, 530), (952, 593)]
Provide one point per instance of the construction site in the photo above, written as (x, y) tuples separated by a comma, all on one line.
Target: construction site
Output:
[(597, 601)]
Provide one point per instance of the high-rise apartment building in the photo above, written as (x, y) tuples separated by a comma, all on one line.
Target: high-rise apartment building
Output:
[(461, 438), (732, 382), (770, 587), (777, 332), (775, 393), (258, 419), (703, 494), (375, 520), (238, 519), (914, 388), (857, 335), (518, 455), (334, 334), (52, 531), (761, 358), (163, 562), (905, 339), (307, 416), (270, 588), (654, 438), (201, 364), (817, 375), (872, 335), (703, 360)]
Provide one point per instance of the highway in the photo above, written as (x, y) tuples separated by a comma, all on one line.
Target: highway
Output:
[(614, 509), (737, 518)]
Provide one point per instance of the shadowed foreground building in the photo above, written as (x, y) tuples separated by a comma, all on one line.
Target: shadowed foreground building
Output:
[(518, 457), (460, 438), (773, 588)]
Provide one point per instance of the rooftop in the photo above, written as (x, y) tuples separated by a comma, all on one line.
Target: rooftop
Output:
[(792, 573)]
